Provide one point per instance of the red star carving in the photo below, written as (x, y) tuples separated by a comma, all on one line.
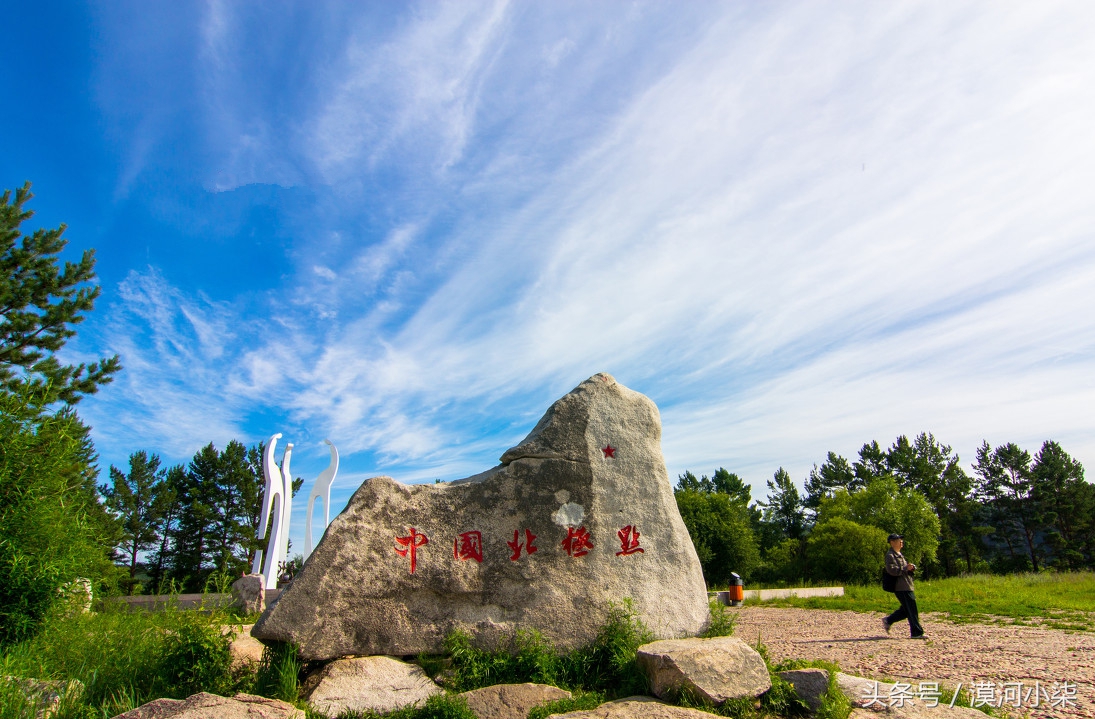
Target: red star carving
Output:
[(609, 451)]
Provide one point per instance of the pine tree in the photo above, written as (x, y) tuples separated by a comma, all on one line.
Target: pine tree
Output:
[(1005, 486), (135, 501), (39, 304), (1067, 505)]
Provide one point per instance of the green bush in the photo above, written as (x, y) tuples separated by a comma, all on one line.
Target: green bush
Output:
[(279, 672), (890, 508), (722, 621), (125, 659), (578, 702), (845, 551), (52, 528), (196, 658), (607, 665), (721, 532)]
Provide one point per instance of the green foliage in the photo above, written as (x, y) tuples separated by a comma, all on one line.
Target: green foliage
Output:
[(580, 701), (39, 304), (607, 665), (721, 532), (127, 658), (52, 528), (722, 621), (846, 551), (279, 672), (196, 658), (884, 505)]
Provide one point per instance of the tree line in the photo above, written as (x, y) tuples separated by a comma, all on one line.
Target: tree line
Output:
[(1015, 512), (179, 526)]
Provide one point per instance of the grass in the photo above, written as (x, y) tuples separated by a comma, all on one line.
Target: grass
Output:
[(124, 659), (1056, 600), (607, 666)]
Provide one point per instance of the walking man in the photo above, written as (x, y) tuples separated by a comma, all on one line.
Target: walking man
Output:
[(896, 566)]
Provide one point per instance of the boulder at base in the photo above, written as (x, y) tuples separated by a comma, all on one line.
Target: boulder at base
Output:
[(578, 516), (809, 684), (205, 705), (633, 708), (511, 701), (713, 670), (362, 684)]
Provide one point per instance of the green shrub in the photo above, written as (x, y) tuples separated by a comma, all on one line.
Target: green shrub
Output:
[(578, 702), (279, 673), (196, 658), (52, 528), (125, 659), (722, 534), (834, 704), (606, 665), (722, 622), (843, 550)]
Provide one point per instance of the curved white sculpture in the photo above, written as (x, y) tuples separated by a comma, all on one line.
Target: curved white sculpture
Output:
[(277, 501), (321, 490)]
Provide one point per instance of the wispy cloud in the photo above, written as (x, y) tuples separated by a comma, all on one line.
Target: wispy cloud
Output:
[(796, 227)]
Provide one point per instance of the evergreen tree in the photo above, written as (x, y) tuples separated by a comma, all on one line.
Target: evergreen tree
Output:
[(135, 501), (1067, 505), (835, 473), (784, 508), (167, 528), (1006, 488), (731, 484), (39, 304)]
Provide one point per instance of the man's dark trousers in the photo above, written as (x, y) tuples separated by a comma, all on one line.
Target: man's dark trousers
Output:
[(907, 611)]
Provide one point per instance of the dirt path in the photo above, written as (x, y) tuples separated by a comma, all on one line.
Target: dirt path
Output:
[(956, 653)]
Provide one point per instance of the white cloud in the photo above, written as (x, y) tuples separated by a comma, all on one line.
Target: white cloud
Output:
[(809, 227)]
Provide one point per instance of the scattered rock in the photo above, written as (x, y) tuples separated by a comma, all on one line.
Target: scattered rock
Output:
[(360, 684), (809, 684), (579, 515), (249, 594), (870, 697), (635, 708), (46, 696), (77, 595), (714, 669), (245, 648), (211, 706), (511, 701)]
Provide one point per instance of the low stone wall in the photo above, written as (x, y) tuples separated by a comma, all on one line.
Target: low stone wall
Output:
[(759, 595), (158, 602)]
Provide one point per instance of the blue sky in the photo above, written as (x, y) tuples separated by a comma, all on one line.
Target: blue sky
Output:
[(409, 227)]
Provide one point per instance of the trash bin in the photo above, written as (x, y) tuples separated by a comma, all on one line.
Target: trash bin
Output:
[(736, 591)]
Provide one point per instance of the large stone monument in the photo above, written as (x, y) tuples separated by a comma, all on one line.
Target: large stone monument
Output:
[(578, 516)]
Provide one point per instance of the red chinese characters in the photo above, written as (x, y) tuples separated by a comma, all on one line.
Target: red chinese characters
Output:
[(577, 543), (469, 545), (516, 545), (629, 541), (410, 544)]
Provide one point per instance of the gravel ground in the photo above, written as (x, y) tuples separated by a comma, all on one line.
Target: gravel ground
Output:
[(967, 653)]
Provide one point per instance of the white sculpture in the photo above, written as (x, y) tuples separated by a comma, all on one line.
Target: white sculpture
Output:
[(277, 507), (321, 490), (277, 503)]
